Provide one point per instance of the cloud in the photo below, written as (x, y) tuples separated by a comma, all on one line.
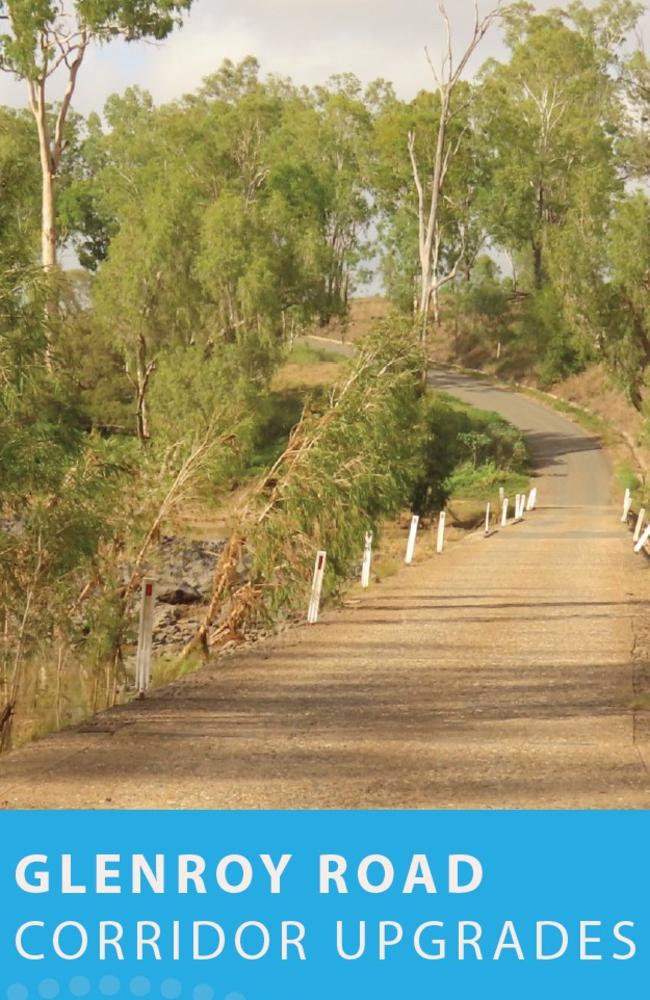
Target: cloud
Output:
[(308, 40)]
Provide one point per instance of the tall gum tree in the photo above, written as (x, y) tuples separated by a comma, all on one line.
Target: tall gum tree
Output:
[(44, 41), (430, 191), (551, 117)]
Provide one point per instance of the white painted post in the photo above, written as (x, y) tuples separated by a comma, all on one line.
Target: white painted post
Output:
[(627, 504), (367, 561), (639, 524), (532, 499), (145, 636), (413, 534), (317, 588), (488, 518), (517, 506), (504, 513), (440, 545), (643, 541), (502, 494)]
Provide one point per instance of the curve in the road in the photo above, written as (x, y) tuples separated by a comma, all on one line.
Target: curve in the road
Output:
[(575, 470)]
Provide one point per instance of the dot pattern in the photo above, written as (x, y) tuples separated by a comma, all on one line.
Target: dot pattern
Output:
[(110, 986)]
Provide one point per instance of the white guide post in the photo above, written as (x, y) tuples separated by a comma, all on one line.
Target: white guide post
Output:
[(627, 504), (145, 636), (518, 507), (504, 513), (413, 534), (367, 561), (488, 518), (317, 588), (639, 524), (502, 494), (440, 544), (532, 499), (643, 540)]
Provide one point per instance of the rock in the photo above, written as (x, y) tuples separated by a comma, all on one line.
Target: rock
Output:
[(186, 565), (184, 594)]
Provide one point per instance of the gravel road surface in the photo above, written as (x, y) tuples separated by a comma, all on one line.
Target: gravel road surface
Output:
[(501, 674)]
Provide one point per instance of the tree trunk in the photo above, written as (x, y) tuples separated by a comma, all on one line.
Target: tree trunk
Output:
[(48, 228), (142, 424), (51, 144), (435, 301), (48, 176), (538, 254), (538, 264), (143, 373), (48, 206)]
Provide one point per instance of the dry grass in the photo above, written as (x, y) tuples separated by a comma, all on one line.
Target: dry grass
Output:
[(306, 375), (365, 313)]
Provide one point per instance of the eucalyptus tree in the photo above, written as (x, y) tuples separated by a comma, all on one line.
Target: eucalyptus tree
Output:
[(551, 117), (342, 136), (430, 187), (233, 217), (404, 148), (636, 81), (44, 41)]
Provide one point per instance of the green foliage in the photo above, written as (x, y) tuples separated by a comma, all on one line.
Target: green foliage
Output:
[(349, 463), (391, 175), (552, 134), (57, 495), (625, 313), (30, 43), (486, 294), (213, 232), (302, 353), (465, 452), (543, 328), (231, 220), (19, 190)]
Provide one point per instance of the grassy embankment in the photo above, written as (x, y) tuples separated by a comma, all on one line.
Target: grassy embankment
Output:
[(462, 457), (468, 455)]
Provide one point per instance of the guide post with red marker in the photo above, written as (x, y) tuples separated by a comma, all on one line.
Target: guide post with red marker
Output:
[(317, 588), (145, 636), (367, 561), (413, 534)]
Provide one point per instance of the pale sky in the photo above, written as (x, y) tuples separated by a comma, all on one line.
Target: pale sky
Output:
[(308, 40)]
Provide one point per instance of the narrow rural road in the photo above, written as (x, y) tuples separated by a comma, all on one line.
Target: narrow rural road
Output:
[(501, 674)]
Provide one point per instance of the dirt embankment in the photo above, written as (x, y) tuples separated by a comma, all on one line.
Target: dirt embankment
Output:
[(594, 391)]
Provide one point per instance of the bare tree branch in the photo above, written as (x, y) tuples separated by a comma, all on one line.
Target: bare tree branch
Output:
[(446, 78)]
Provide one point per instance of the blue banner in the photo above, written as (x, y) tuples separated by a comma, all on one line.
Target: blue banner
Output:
[(310, 905)]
